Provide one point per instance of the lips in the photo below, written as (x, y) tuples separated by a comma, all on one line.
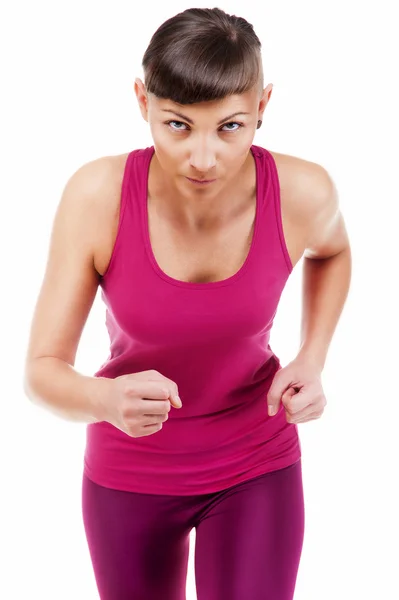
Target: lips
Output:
[(201, 180)]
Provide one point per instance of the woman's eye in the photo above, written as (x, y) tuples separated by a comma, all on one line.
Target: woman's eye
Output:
[(179, 122), (233, 123), (225, 125)]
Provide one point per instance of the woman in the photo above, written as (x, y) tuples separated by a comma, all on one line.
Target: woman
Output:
[(192, 241)]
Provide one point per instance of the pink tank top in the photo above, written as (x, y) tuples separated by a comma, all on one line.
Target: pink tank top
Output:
[(211, 338)]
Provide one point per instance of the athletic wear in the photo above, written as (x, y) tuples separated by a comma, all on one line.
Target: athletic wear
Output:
[(248, 540), (211, 338)]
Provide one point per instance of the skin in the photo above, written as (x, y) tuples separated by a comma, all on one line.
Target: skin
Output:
[(202, 150)]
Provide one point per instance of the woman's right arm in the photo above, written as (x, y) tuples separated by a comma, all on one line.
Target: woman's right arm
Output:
[(66, 296)]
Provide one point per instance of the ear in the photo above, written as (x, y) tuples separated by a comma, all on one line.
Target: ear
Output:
[(142, 98), (267, 92)]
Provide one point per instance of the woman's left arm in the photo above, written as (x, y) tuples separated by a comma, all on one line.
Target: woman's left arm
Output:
[(327, 270), (326, 280)]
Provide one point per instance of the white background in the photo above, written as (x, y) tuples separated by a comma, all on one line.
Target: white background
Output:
[(67, 97)]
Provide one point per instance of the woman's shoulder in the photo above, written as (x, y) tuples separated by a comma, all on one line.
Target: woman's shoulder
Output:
[(304, 185), (291, 165), (102, 177), (300, 180)]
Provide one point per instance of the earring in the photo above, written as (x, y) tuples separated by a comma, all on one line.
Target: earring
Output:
[(259, 124)]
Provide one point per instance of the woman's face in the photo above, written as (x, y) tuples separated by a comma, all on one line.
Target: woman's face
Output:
[(208, 140)]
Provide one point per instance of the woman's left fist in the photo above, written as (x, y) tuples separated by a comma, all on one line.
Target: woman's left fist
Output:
[(298, 386)]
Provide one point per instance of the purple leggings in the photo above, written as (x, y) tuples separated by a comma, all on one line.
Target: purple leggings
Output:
[(248, 540)]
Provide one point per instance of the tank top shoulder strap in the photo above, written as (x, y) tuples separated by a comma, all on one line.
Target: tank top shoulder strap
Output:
[(270, 202), (129, 230)]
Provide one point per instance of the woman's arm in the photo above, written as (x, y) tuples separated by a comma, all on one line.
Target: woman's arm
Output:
[(65, 299), (326, 269)]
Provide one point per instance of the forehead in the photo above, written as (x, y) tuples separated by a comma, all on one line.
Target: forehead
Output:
[(245, 102)]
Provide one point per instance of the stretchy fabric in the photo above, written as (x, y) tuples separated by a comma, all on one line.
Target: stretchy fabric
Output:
[(211, 338), (248, 540)]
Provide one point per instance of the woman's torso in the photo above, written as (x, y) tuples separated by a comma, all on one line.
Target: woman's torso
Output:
[(204, 256), (197, 306)]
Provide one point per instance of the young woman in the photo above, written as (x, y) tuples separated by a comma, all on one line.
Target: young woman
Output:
[(192, 240)]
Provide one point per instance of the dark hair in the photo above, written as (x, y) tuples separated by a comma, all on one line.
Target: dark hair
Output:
[(202, 54)]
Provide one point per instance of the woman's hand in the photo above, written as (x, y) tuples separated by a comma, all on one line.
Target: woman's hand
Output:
[(298, 386), (137, 403)]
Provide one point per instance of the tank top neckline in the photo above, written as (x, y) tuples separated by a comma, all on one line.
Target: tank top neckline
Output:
[(190, 284)]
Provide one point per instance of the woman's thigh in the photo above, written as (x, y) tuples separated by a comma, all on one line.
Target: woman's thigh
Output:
[(249, 540), (139, 543)]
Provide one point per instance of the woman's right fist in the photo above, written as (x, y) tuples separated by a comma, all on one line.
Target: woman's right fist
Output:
[(138, 403)]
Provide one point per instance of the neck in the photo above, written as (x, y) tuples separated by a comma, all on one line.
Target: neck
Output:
[(205, 208)]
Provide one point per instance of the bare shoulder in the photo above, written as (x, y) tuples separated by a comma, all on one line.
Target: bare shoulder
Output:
[(310, 207), (107, 175), (302, 182)]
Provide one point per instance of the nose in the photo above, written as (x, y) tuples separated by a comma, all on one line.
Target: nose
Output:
[(202, 158)]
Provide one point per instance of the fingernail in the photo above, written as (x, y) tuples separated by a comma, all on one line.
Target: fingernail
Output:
[(271, 411), (179, 402)]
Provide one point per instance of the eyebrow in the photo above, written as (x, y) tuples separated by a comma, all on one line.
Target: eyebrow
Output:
[(192, 122)]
